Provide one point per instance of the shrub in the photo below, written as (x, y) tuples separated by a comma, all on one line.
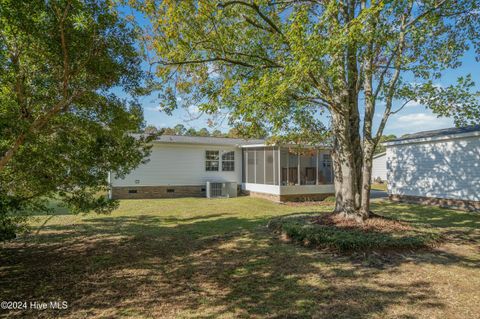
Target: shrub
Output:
[(306, 230)]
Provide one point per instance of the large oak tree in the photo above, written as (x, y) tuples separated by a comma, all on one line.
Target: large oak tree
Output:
[(281, 64)]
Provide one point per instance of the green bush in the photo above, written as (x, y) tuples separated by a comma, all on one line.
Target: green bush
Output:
[(330, 199), (303, 230)]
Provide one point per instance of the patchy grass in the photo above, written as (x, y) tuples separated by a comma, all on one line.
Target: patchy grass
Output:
[(379, 187), (199, 258), (329, 231)]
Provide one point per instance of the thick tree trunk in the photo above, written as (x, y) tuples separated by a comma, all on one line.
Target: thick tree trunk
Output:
[(368, 150), (347, 159)]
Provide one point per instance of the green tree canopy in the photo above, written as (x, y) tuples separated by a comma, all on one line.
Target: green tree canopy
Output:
[(384, 138), (62, 130)]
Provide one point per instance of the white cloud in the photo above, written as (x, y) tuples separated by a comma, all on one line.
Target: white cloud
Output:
[(193, 109), (415, 122), (413, 103)]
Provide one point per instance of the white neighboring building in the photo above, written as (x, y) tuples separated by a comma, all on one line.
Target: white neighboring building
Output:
[(379, 167), (180, 166), (440, 167)]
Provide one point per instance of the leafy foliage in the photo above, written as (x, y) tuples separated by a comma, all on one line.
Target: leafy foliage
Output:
[(61, 128), (384, 138), (180, 129)]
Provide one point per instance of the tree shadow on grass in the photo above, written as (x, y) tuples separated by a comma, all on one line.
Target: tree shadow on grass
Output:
[(457, 226), (202, 267)]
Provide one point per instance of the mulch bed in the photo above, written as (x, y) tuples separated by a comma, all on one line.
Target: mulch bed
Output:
[(375, 223)]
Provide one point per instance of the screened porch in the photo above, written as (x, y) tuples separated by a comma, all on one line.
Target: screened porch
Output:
[(282, 170)]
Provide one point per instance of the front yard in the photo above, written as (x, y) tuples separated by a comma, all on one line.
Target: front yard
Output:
[(202, 258)]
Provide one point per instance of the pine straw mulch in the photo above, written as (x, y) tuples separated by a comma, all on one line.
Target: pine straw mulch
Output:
[(333, 232), (376, 223)]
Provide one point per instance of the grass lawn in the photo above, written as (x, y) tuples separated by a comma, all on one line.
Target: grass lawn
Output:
[(379, 187), (200, 258)]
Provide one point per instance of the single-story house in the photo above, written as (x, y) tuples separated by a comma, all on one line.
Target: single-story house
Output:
[(440, 167), (181, 166), (379, 167)]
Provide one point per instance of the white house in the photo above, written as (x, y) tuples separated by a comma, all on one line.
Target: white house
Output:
[(182, 165), (379, 167), (440, 167)]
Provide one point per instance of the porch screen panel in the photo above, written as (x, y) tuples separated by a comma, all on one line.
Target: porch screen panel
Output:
[(308, 166), (325, 169), (250, 171), (276, 166), (259, 166), (292, 167), (284, 167), (269, 162), (244, 166)]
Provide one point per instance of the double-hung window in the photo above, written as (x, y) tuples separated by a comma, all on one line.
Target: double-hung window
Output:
[(212, 161), (228, 161)]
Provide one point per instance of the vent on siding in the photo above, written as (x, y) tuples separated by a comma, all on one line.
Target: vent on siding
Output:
[(170, 190), (132, 191)]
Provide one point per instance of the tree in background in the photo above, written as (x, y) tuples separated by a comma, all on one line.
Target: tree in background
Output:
[(217, 133), (203, 132), (180, 129), (280, 65), (61, 128), (151, 130), (191, 132), (384, 138)]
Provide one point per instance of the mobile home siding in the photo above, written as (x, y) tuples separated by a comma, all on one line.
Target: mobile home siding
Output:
[(448, 168), (379, 167), (180, 165)]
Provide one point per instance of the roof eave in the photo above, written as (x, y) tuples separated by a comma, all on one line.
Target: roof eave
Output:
[(431, 139)]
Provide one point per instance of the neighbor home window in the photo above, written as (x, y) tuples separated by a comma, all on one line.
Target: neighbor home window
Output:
[(228, 161), (212, 160)]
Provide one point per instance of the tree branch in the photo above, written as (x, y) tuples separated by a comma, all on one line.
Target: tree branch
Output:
[(228, 60), (400, 108), (426, 12), (257, 9), (36, 125)]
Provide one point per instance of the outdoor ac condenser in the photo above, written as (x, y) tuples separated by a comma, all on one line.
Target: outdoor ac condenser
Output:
[(221, 189)]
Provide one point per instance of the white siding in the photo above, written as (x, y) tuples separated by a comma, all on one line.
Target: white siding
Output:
[(442, 169), (262, 188), (307, 189), (379, 167), (180, 165), (289, 190)]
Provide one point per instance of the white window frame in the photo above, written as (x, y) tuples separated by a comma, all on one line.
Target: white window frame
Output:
[(209, 160), (232, 160)]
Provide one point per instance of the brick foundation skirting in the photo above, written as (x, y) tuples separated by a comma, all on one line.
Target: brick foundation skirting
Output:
[(466, 205), (290, 198), (146, 192)]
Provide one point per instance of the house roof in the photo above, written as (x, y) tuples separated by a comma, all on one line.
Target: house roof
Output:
[(379, 155), (436, 134), (207, 140)]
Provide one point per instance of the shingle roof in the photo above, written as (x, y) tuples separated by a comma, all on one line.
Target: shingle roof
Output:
[(208, 140), (436, 133)]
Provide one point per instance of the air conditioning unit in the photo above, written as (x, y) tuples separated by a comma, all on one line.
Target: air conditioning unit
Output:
[(221, 189)]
